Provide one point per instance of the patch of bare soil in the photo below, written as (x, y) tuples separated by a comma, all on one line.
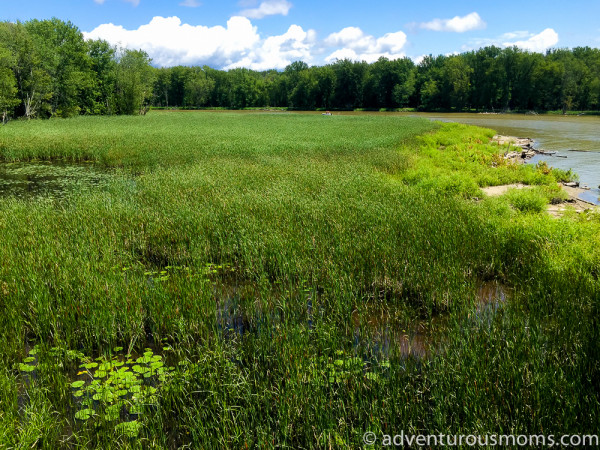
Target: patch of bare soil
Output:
[(556, 210), (497, 191)]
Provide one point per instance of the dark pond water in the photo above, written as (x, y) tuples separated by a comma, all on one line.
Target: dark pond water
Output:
[(46, 179), (375, 332)]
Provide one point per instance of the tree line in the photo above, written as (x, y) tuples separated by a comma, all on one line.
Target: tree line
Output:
[(48, 69)]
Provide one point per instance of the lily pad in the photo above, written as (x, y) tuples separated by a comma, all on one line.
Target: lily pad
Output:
[(112, 412), (106, 396), (77, 384), (139, 369), (130, 429), (372, 376), (26, 367), (136, 408), (84, 414)]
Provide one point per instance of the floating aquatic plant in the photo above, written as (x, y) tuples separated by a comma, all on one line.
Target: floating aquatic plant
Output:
[(115, 388), (341, 368)]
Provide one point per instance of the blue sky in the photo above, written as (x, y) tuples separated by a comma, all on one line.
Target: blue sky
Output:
[(265, 34)]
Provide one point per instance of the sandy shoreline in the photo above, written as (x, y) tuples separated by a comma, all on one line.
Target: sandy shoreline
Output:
[(527, 151)]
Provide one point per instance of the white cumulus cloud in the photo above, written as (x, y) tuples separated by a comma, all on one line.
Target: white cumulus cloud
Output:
[(418, 59), (358, 46), (523, 39), (169, 42), (279, 51), (457, 24), (538, 42), (268, 8)]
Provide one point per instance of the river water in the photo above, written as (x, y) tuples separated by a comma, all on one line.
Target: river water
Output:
[(576, 137)]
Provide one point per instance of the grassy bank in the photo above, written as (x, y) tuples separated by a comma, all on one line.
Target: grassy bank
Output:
[(273, 264)]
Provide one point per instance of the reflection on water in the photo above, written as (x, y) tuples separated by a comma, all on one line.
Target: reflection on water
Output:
[(380, 336), (376, 332), (48, 179)]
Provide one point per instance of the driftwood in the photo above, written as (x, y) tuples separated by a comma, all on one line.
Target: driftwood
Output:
[(527, 152)]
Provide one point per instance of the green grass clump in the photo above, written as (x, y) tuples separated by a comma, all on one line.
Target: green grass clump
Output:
[(283, 262), (527, 200)]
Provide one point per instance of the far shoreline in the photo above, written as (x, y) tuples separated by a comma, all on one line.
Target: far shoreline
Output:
[(381, 110)]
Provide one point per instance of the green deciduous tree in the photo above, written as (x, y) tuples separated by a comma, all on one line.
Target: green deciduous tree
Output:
[(34, 83), (100, 96), (349, 83), (63, 55), (134, 81), (198, 88), (457, 76), (325, 86), (8, 84)]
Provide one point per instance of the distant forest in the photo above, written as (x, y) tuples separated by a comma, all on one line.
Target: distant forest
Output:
[(48, 69)]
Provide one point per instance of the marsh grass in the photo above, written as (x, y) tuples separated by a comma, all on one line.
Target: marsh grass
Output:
[(258, 246)]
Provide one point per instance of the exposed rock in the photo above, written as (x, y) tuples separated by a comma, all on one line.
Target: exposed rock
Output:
[(527, 151), (516, 141)]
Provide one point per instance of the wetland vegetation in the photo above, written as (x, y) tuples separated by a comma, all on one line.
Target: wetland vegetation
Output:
[(291, 280)]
